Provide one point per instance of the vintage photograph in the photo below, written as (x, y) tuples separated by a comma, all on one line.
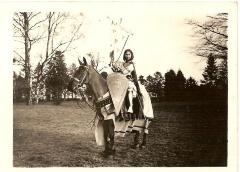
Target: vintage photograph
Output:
[(121, 84)]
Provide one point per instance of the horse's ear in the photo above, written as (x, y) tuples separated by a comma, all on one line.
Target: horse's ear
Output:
[(84, 61), (80, 63)]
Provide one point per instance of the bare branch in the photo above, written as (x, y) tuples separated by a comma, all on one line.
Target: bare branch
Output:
[(36, 39), (218, 18), (22, 42), (19, 62), (72, 39), (36, 24), (55, 24), (18, 20), (18, 29), (216, 45), (21, 57), (206, 28), (32, 15)]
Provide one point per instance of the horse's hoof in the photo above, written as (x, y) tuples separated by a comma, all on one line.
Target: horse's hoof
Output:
[(108, 153), (105, 154), (112, 152)]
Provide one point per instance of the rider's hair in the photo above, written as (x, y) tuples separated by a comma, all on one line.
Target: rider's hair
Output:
[(124, 57)]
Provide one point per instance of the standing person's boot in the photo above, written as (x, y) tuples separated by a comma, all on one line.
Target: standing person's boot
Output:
[(106, 139), (111, 138), (144, 142), (136, 141)]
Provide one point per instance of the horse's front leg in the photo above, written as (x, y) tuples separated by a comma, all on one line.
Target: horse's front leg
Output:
[(136, 143), (108, 128), (144, 141), (99, 114)]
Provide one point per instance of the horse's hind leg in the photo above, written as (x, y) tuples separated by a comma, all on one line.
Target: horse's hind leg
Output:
[(136, 140), (144, 141)]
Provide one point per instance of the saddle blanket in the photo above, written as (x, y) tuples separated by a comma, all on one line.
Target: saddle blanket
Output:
[(124, 127), (121, 128)]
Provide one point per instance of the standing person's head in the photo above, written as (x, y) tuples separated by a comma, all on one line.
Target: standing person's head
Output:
[(128, 55), (104, 75)]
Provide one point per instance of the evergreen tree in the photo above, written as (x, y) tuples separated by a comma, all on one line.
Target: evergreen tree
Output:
[(191, 89), (57, 78), (72, 69), (181, 80), (170, 85), (159, 84), (180, 85), (222, 81), (149, 84), (19, 88), (191, 83), (210, 73), (222, 75)]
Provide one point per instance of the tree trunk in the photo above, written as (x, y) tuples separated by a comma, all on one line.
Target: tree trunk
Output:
[(27, 46), (37, 95)]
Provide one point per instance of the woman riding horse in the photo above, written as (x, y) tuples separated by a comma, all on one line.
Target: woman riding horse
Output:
[(127, 68), (134, 93), (88, 75)]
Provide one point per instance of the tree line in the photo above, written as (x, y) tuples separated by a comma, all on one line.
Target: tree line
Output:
[(50, 76), (172, 86)]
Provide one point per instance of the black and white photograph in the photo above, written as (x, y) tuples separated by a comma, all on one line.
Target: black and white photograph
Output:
[(119, 84)]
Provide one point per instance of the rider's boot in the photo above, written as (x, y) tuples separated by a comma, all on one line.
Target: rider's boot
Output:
[(144, 142)]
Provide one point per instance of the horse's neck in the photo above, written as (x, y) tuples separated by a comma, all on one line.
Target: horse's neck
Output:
[(98, 84)]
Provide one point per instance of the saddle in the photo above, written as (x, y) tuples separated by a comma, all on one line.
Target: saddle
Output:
[(118, 86)]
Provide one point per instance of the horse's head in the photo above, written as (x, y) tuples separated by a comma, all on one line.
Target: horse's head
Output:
[(80, 77)]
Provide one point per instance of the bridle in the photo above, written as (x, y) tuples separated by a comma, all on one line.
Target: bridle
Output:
[(80, 83)]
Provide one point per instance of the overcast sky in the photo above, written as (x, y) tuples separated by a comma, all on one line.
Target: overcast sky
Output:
[(161, 38)]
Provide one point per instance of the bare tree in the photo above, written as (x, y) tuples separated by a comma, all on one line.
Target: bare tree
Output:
[(52, 44), (56, 24), (212, 43), (212, 36), (24, 25), (96, 61), (54, 30)]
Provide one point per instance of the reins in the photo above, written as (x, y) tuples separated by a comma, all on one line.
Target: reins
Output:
[(92, 107)]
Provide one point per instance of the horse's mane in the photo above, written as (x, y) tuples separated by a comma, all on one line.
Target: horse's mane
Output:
[(98, 73)]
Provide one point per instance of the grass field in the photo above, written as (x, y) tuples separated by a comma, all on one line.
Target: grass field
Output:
[(182, 134)]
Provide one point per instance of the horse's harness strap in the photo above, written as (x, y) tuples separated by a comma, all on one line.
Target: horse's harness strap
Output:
[(103, 102)]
